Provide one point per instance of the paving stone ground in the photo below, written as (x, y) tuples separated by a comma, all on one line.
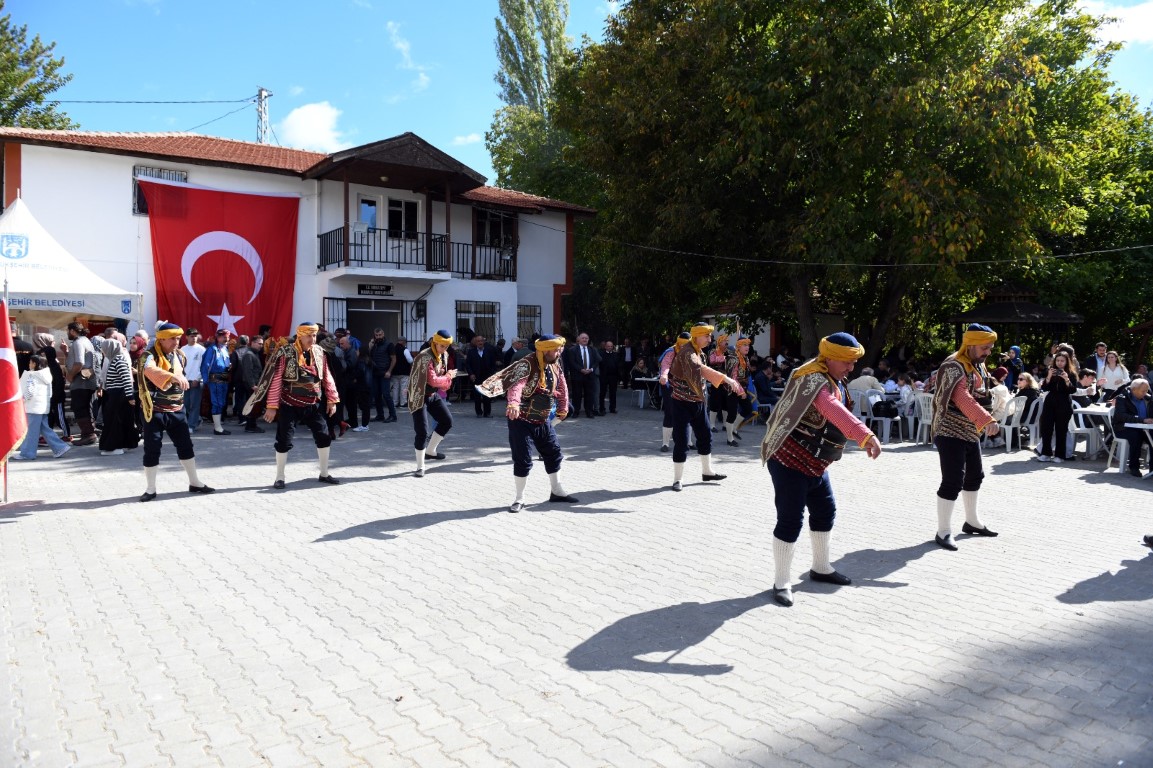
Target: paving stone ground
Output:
[(396, 621)]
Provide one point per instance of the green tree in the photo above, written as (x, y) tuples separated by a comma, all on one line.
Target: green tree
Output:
[(530, 46), (882, 148), (28, 77)]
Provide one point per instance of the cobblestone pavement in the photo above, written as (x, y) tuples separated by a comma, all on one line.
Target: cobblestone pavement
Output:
[(396, 621)]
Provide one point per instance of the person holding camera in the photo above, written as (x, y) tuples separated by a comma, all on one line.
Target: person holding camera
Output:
[(1057, 407)]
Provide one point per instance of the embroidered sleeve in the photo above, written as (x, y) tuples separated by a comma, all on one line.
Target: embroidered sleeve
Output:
[(970, 407), (561, 394), (159, 377), (841, 418), (435, 380), (666, 363), (330, 393), (513, 393), (277, 384)]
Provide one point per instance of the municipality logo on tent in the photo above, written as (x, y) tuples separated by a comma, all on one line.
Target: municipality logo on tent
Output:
[(14, 246), (126, 306)]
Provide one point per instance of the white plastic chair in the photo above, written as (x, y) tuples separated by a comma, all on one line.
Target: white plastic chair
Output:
[(1032, 422), (872, 397), (923, 415), (1011, 421), (1080, 427), (1120, 448)]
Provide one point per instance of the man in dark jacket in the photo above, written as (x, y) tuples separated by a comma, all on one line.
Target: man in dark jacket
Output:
[(581, 364), (482, 361), (1133, 407), (246, 370), (610, 376), (381, 353)]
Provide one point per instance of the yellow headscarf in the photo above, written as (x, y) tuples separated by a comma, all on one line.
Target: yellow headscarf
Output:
[(839, 346), (307, 329), (544, 344), (699, 330), (975, 336), (164, 330), (681, 342), (745, 342)]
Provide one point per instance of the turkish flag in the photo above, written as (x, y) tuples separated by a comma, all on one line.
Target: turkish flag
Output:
[(13, 423), (222, 259)]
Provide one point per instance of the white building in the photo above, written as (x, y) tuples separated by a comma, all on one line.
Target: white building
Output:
[(395, 234)]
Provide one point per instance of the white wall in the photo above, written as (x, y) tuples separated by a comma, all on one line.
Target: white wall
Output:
[(541, 262)]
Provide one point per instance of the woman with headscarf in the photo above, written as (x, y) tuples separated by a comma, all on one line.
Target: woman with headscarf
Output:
[(118, 396), (46, 345)]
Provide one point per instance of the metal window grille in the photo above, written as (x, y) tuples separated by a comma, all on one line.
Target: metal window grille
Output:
[(139, 203), (528, 320), (478, 317)]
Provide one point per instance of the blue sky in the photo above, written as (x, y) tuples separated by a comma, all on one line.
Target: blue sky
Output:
[(342, 72)]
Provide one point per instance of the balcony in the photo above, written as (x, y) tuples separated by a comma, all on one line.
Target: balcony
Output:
[(417, 251)]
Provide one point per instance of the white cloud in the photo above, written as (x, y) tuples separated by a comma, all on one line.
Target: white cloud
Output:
[(362, 4), (421, 82), (1134, 23), (312, 126), (295, 90), (404, 48), (472, 138)]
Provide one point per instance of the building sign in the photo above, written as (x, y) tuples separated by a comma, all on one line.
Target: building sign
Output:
[(373, 289)]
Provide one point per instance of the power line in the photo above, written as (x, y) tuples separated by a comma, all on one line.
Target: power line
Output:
[(213, 120), (107, 101)]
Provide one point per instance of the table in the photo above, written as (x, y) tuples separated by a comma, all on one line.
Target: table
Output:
[(1084, 417), (1148, 430), (647, 396)]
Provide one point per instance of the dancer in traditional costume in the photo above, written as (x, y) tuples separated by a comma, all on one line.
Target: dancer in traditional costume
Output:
[(958, 421), (294, 381), (805, 434), (161, 385), (430, 374), (737, 368), (666, 362), (536, 390)]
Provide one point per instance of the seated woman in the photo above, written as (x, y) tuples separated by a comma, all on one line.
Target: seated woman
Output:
[(1114, 377), (639, 371)]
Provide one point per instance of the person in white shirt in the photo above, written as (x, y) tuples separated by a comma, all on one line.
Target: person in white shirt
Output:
[(1113, 376), (194, 354)]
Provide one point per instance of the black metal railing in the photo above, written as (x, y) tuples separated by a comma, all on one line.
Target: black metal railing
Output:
[(392, 249)]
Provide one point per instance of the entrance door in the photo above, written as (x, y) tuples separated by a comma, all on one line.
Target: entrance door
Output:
[(366, 315)]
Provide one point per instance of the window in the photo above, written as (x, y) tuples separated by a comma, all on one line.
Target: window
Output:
[(473, 317), (368, 211), (495, 229), (139, 204), (402, 219), (527, 320)]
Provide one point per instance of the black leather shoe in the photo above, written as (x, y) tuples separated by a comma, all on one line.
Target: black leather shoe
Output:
[(1147, 541), (516, 506), (221, 432), (664, 449), (254, 429), (945, 543), (707, 478), (146, 496), (562, 499), (737, 435), (1136, 473), (783, 596), (389, 420), (732, 443), (200, 489), (278, 485), (328, 480), (434, 456), (839, 579), (677, 485), (966, 528)]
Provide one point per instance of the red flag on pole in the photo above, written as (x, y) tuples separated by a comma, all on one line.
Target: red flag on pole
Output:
[(222, 259), (13, 423)]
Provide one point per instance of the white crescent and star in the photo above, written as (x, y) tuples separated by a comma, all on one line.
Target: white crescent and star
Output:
[(222, 241), (9, 356)]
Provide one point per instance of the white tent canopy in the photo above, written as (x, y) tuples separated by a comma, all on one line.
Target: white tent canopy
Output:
[(46, 285)]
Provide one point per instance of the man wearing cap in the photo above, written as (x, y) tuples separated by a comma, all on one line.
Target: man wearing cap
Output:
[(687, 376), (294, 381), (807, 432), (535, 388), (958, 421), (430, 373), (193, 352), (214, 371), (161, 385)]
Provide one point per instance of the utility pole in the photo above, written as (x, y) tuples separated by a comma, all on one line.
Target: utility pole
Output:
[(262, 115)]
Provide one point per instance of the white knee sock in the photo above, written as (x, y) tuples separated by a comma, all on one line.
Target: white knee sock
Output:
[(782, 563), (678, 471), (520, 484), (821, 562), (281, 463), (706, 464), (190, 468), (150, 479), (666, 435), (322, 457), (969, 501), (554, 483), (433, 443), (945, 517), (216, 424), (730, 429), (419, 459)]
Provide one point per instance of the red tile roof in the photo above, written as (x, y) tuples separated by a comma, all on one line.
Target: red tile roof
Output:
[(523, 200), (183, 146)]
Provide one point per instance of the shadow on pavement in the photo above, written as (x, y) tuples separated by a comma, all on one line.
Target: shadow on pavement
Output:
[(669, 630), (382, 529), (1134, 582), (869, 567)]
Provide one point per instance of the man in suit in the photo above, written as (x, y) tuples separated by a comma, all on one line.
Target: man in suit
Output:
[(610, 377), (581, 365), (482, 361)]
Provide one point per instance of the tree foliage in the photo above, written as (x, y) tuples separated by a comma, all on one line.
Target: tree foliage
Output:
[(865, 156), (29, 75), (530, 46)]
